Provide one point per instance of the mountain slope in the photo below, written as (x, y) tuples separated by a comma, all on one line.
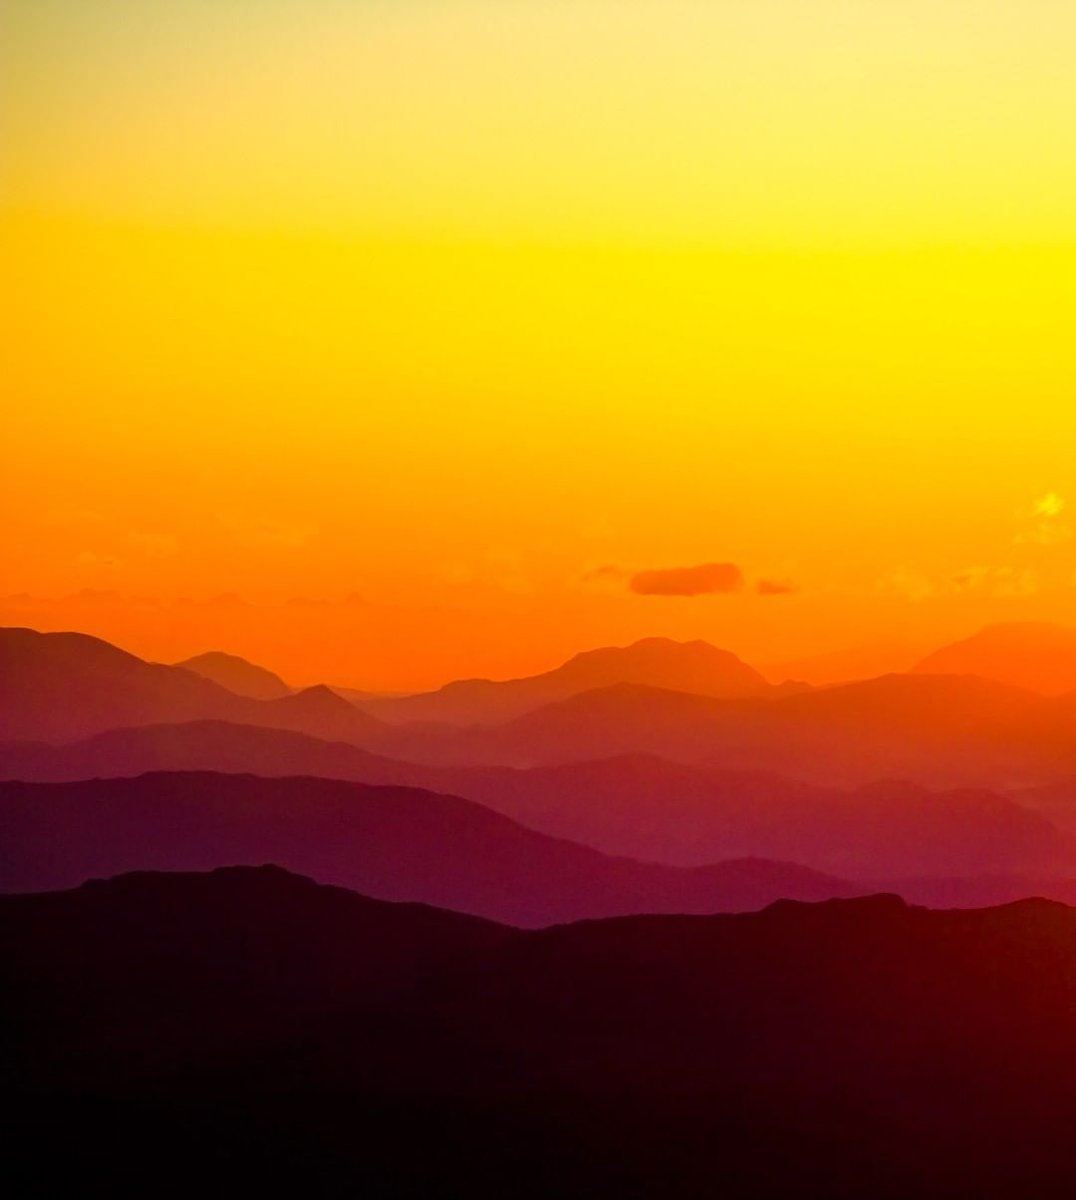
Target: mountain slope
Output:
[(221, 746), (391, 843), (63, 686), (260, 936), (237, 675), (1034, 655), (943, 730), (636, 806), (694, 667), (684, 814), (881, 657), (59, 686), (249, 1031)]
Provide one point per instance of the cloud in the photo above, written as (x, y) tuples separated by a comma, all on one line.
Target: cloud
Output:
[(775, 587), (1049, 505), (707, 579), (1003, 581), (1041, 524)]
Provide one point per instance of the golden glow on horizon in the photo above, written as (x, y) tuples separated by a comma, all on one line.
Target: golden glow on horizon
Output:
[(452, 305)]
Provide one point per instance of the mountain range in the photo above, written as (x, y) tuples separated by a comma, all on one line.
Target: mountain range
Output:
[(248, 1031), (636, 806), (61, 686), (389, 842), (939, 730), (693, 667)]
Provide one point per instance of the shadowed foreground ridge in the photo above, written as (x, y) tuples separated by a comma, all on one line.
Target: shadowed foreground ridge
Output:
[(280, 1034)]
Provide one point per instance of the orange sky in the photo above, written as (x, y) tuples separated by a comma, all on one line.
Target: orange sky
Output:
[(455, 318)]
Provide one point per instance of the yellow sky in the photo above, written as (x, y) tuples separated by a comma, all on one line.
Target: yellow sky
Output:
[(453, 304)]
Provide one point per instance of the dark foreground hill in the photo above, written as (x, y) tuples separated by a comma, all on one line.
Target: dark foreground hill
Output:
[(249, 1033), (395, 843)]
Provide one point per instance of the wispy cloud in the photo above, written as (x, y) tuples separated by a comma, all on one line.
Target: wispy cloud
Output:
[(1005, 581), (1040, 523)]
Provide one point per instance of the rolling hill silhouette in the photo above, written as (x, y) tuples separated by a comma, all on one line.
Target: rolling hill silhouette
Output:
[(694, 667), (220, 746), (1034, 655), (943, 730), (938, 730), (616, 720), (253, 1030), (687, 815), (270, 937), (237, 675), (883, 656), (63, 686), (391, 843), (635, 806), (1056, 801)]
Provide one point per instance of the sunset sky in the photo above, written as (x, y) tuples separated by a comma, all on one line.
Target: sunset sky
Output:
[(391, 341)]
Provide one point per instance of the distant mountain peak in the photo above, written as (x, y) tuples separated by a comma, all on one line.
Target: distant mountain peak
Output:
[(237, 675), (62, 687), (15, 639), (1037, 655), (694, 667)]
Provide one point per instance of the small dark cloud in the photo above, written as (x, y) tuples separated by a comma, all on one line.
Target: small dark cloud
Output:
[(775, 587), (705, 580)]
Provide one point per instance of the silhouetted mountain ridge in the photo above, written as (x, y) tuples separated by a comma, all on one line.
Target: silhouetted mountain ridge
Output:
[(237, 675), (62, 686), (394, 843), (635, 806), (695, 667), (276, 1033), (1035, 655), (937, 730)]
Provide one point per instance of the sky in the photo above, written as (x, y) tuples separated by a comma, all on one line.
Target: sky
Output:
[(393, 341)]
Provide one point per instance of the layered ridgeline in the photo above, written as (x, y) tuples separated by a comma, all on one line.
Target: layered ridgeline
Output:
[(941, 730), (61, 686), (47, 668), (693, 667), (642, 807), (637, 772), (392, 843), (248, 1031)]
